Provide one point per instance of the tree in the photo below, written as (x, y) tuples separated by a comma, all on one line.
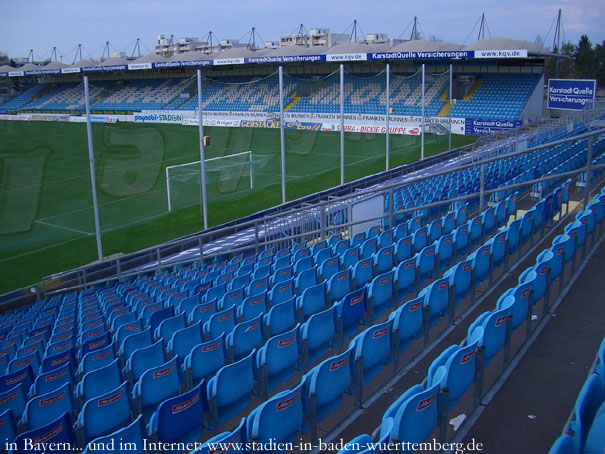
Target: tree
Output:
[(600, 60), (3, 58), (585, 60), (539, 41)]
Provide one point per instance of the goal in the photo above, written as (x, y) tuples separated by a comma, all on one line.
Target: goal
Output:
[(224, 175)]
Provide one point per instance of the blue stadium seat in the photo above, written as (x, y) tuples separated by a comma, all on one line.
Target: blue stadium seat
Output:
[(230, 390), (204, 360), (317, 335), (45, 408), (493, 331), (155, 385), (252, 307), (363, 272), (99, 381), (459, 371), (144, 358), (180, 419), (220, 323), (244, 338), (278, 420), (49, 381), (280, 318), (312, 300), (184, 340), (276, 360), (168, 327), (416, 417), (407, 323), (14, 399), (350, 312), (325, 386), (437, 299), (586, 407), (371, 350), (132, 434), (58, 433), (380, 295), (231, 439), (338, 285), (105, 414)]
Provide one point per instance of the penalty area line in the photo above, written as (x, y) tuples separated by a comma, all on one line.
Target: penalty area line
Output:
[(63, 227)]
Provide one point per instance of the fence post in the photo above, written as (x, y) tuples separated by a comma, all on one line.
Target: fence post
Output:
[(482, 189), (588, 163)]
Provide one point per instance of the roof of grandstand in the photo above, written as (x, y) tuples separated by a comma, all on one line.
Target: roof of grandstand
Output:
[(423, 45), (55, 65), (419, 45), (150, 58), (507, 43)]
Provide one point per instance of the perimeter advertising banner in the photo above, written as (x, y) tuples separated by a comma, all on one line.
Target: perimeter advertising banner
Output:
[(571, 94)]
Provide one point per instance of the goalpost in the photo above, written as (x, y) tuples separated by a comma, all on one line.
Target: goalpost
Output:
[(184, 180)]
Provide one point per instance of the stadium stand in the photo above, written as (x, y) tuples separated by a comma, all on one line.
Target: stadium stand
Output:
[(371, 320), (494, 96)]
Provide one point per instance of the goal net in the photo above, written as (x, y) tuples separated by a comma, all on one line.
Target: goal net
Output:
[(225, 175)]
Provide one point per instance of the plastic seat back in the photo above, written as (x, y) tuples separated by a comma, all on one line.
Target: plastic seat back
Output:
[(181, 418), (339, 285), (407, 323), (350, 312), (104, 414), (371, 349), (312, 300), (99, 381), (416, 417), (204, 360), (380, 295), (229, 390), (316, 335), (278, 420), (58, 433), (244, 338), (144, 358), (157, 384), (219, 323), (45, 408)]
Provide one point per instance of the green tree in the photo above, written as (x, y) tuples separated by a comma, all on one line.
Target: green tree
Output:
[(585, 60), (600, 58)]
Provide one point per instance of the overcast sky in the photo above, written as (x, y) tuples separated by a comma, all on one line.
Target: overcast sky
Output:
[(42, 24)]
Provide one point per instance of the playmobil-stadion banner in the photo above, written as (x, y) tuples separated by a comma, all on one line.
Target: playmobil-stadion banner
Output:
[(357, 56)]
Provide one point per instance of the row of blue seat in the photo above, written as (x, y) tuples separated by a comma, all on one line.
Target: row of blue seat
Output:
[(417, 412)]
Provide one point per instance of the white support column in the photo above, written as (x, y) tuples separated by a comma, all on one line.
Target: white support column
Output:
[(422, 132), (93, 178), (281, 134), (388, 102), (202, 150), (342, 124)]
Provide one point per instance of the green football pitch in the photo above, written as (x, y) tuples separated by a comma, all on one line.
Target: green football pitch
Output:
[(46, 214)]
